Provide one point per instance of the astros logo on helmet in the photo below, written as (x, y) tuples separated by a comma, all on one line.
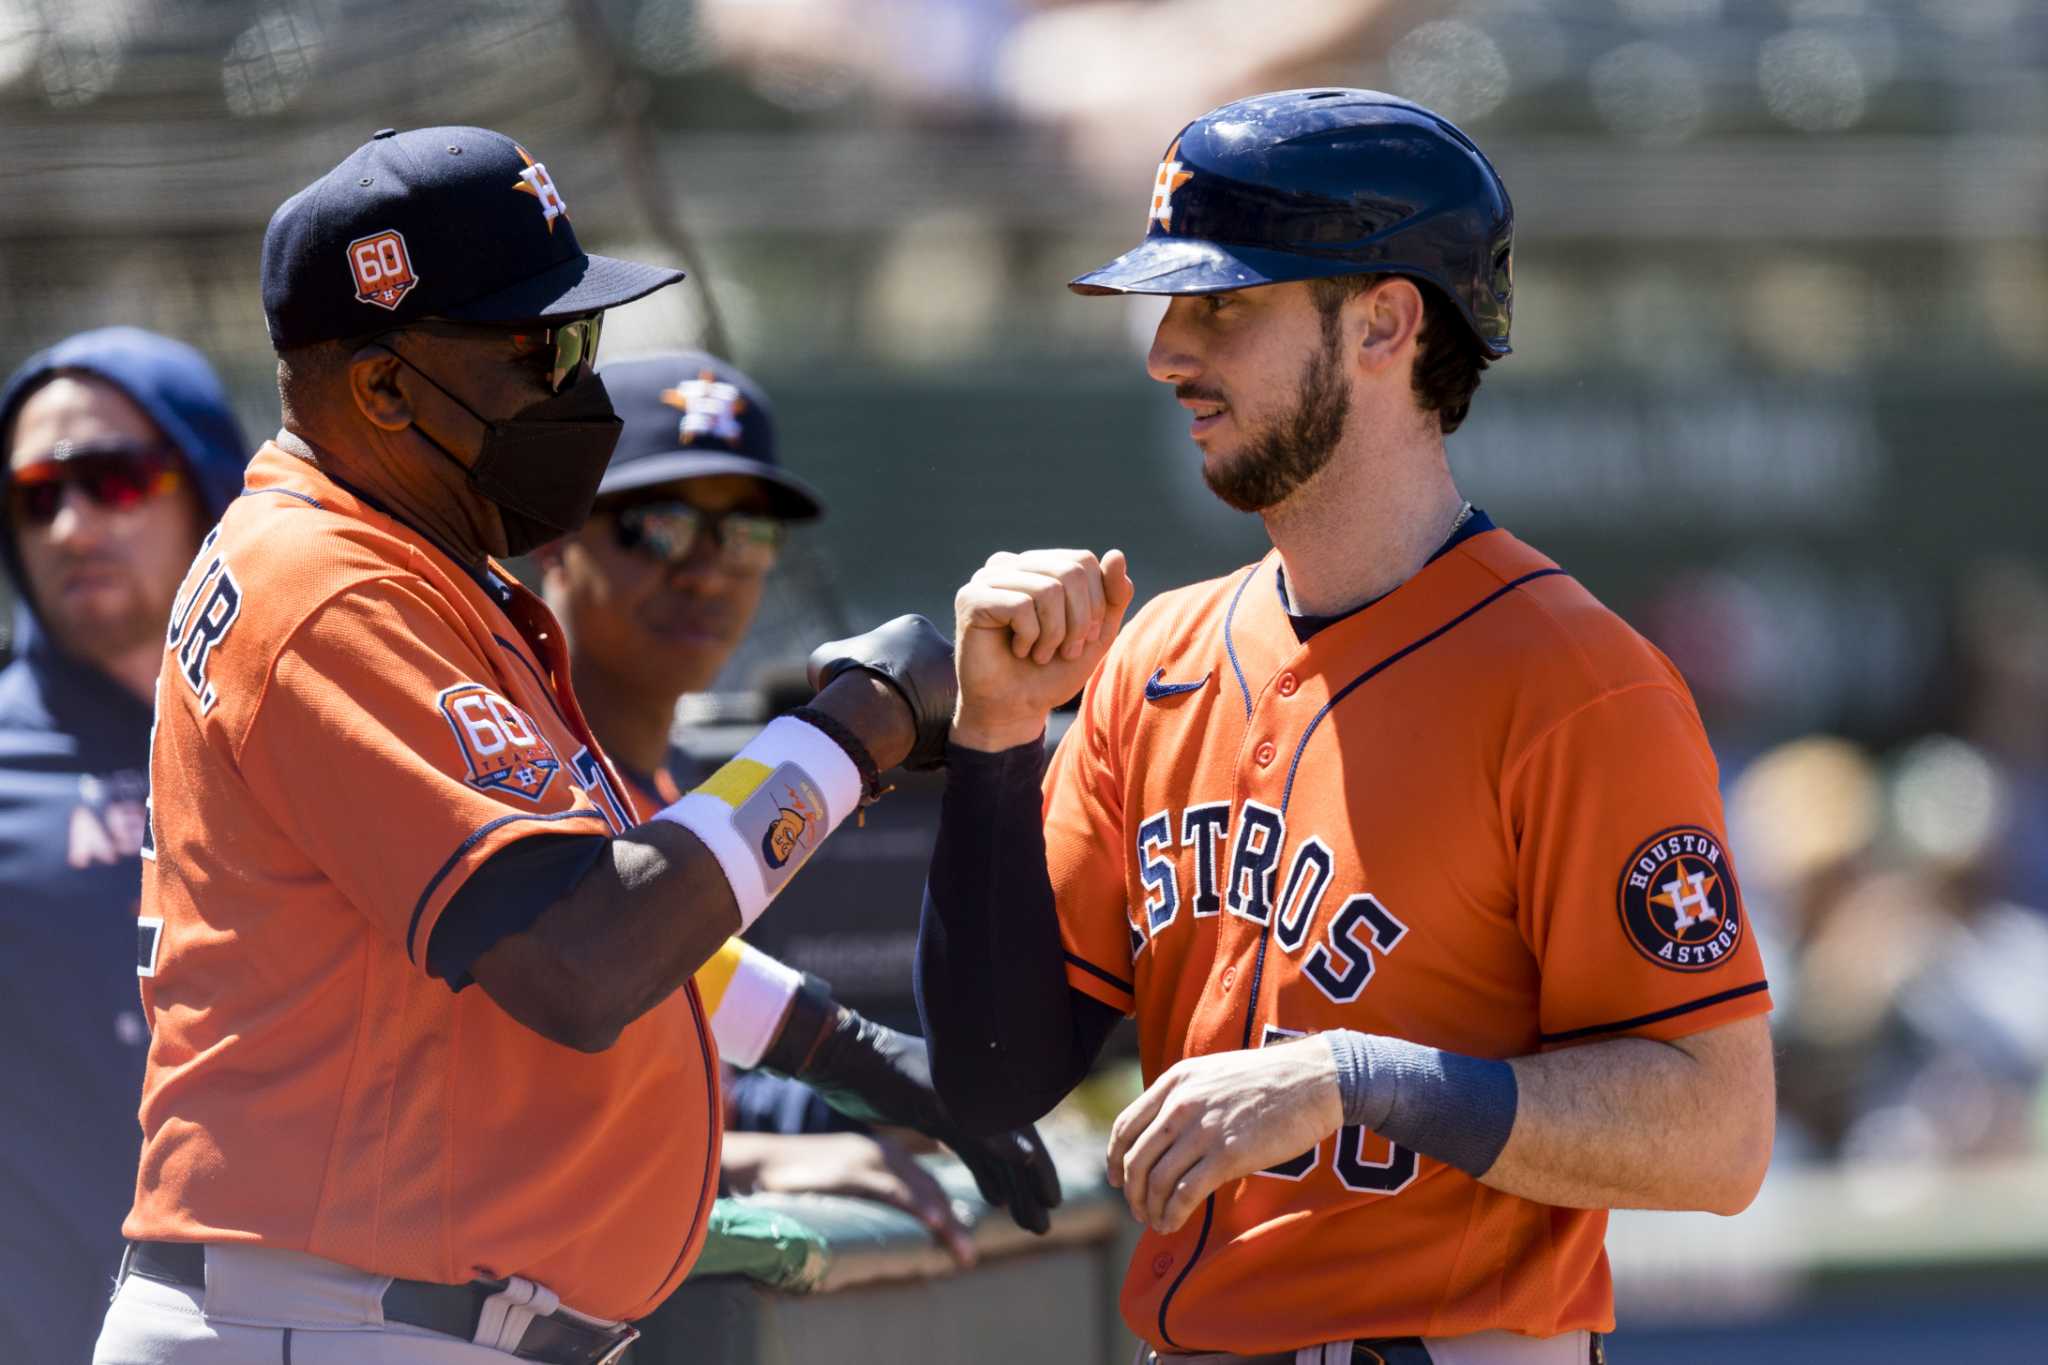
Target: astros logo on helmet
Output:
[(1172, 175)]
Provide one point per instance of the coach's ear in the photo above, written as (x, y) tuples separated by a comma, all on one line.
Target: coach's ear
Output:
[(373, 384)]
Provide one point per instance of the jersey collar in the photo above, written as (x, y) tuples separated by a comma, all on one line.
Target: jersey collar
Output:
[(1306, 626), (276, 470)]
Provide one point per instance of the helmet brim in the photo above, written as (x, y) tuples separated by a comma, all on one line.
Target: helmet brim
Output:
[(1191, 265)]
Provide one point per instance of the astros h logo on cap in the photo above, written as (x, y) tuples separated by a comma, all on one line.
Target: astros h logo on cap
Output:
[(690, 415), (534, 180), (711, 407)]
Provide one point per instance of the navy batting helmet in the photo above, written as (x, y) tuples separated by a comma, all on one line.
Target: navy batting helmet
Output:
[(1307, 184)]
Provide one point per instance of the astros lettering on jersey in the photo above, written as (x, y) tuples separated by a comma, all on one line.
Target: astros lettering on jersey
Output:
[(1479, 814), (348, 725)]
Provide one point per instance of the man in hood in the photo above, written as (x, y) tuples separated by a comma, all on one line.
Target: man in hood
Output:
[(120, 451)]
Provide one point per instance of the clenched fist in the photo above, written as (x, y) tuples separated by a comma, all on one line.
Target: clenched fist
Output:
[(1031, 628)]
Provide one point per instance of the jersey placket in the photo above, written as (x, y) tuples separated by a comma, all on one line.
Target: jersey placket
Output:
[(1267, 670), (1259, 844)]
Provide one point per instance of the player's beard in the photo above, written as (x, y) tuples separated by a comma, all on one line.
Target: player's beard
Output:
[(1289, 450)]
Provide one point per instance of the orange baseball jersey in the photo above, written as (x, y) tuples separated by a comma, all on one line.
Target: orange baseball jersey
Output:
[(1479, 814), (348, 725)]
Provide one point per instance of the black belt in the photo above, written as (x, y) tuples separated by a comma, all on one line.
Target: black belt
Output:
[(1411, 1351), (451, 1309)]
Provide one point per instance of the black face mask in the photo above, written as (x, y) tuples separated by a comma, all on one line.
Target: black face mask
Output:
[(541, 466)]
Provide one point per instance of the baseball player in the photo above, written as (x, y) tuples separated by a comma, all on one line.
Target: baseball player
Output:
[(1405, 853), (392, 1110)]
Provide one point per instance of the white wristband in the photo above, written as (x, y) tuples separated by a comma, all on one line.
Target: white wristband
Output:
[(766, 811), (747, 994)]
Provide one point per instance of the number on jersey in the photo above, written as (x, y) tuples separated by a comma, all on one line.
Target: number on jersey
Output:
[(1379, 1174)]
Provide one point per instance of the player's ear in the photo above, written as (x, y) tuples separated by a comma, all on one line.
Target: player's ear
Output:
[(373, 384), (1388, 318)]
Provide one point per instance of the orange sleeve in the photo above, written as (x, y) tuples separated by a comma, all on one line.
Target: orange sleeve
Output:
[(1084, 849), (1628, 896), (384, 752)]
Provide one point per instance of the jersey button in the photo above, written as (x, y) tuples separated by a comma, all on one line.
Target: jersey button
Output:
[(1288, 684), (1263, 755), (1229, 976)]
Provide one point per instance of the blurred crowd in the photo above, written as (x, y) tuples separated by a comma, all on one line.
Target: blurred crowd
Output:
[(1901, 885)]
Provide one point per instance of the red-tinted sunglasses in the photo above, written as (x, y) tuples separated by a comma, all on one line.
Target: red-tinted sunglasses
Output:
[(114, 476)]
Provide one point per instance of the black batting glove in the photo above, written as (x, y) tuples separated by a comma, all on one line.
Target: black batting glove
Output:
[(877, 1075), (917, 660)]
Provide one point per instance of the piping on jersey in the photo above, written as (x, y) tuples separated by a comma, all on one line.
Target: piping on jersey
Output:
[(307, 498), (714, 1113), (1074, 959), (420, 906), (546, 688), (1229, 647), (1266, 932), (1655, 1016), (1251, 1006), (1208, 1217)]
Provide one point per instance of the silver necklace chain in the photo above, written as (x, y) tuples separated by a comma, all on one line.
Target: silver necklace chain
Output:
[(1464, 515)]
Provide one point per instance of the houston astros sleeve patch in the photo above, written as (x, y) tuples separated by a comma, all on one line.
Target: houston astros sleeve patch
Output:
[(1678, 901)]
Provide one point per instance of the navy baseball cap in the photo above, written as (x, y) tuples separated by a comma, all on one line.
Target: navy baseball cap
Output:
[(437, 222), (689, 414)]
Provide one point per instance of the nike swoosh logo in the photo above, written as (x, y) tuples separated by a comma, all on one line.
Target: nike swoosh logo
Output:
[(1157, 689)]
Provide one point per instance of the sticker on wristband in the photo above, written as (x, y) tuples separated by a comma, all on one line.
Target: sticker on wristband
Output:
[(766, 811), (779, 815)]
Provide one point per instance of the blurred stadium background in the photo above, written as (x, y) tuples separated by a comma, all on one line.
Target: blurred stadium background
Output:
[(1778, 394)]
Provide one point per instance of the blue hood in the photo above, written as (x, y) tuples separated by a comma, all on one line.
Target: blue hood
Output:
[(172, 384)]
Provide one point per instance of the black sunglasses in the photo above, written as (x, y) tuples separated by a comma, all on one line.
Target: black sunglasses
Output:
[(667, 530), (568, 348), (115, 475)]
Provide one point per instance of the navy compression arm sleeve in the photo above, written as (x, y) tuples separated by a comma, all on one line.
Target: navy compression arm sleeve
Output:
[(1008, 1036)]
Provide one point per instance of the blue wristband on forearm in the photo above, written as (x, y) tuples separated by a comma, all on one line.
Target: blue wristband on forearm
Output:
[(1446, 1105)]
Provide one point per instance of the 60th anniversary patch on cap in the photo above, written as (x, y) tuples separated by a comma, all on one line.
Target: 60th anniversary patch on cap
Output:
[(1679, 903)]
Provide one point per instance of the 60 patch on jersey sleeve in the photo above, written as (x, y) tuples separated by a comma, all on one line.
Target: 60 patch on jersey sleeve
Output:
[(505, 751)]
